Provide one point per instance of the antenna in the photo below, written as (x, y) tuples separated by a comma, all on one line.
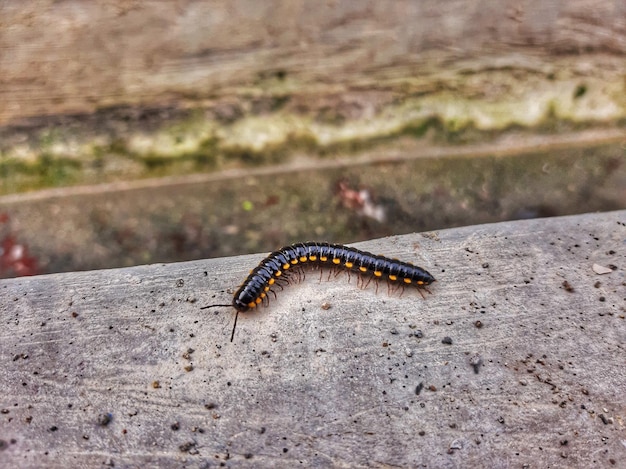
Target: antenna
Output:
[(232, 336)]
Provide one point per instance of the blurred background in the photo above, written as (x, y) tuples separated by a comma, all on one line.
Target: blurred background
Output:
[(134, 132)]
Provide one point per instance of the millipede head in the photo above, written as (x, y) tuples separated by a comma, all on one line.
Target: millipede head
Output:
[(240, 305)]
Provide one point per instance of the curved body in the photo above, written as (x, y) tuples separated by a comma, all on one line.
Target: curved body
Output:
[(274, 267)]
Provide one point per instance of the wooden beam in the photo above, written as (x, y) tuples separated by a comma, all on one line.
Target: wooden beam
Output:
[(516, 357)]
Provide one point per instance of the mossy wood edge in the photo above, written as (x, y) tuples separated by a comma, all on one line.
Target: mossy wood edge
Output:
[(515, 357)]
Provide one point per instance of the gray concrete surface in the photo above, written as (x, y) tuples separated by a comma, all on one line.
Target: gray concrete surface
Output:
[(122, 368)]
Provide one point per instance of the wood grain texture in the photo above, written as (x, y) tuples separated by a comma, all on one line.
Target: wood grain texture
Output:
[(121, 367), (73, 56)]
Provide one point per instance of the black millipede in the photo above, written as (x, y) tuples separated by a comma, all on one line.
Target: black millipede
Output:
[(274, 269)]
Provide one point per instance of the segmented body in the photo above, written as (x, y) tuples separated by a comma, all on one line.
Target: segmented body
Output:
[(278, 264)]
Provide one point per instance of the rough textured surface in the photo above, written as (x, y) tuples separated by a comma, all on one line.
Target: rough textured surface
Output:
[(97, 92), (70, 55), (515, 358)]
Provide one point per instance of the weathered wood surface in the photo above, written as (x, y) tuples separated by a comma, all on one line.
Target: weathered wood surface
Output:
[(74, 56), (540, 384)]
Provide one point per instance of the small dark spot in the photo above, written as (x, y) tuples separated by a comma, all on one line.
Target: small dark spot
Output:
[(567, 286), (580, 91), (485, 265), (602, 299), (74, 314), (501, 420), (175, 426), (187, 447), (476, 361), (228, 383), (421, 433), (210, 405), (104, 419), (180, 282), (285, 450), (478, 324), (418, 388), (446, 340), (248, 455), (563, 442), (3, 445), (53, 428), (597, 284), (4, 411)]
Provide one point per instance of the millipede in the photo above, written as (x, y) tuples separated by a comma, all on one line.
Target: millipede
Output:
[(275, 269)]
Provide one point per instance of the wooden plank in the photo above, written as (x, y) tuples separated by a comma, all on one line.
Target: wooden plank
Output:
[(122, 367), (72, 56)]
